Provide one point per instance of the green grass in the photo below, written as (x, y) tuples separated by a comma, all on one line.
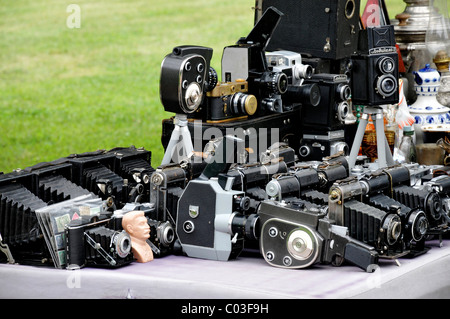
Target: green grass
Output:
[(65, 91)]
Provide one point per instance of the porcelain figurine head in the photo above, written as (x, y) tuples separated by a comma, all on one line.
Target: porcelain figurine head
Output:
[(135, 224)]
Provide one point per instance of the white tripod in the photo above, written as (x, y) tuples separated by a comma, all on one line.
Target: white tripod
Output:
[(385, 158), (180, 144)]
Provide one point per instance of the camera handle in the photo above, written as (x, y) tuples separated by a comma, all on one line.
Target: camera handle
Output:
[(180, 144), (385, 158)]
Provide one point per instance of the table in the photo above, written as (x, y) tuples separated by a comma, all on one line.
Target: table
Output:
[(248, 276)]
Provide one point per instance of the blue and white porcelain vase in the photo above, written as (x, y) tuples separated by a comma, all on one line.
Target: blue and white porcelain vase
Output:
[(427, 110)]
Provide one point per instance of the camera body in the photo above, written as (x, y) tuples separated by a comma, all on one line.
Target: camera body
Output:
[(298, 234), (375, 70), (375, 227), (325, 29), (334, 106), (314, 146), (92, 242), (211, 221), (184, 78), (230, 101)]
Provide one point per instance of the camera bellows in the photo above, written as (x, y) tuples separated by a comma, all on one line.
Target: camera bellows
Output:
[(414, 221), (430, 202), (99, 179), (130, 167), (371, 225), (18, 222), (57, 189)]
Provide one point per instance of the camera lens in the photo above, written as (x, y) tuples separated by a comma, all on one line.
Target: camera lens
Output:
[(276, 82), (247, 226), (418, 224), (342, 111), (166, 233), (392, 227), (434, 206), (343, 92), (386, 65), (242, 104), (386, 85), (122, 243), (304, 150)]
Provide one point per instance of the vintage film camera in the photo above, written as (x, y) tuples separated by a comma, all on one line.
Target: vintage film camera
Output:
[(335, 24), (211, 217), (380, 229), (162, 231), (375, 69), (91, 242), (185, 78), (308, 180), (334, 106), (314, 146), (298, 234), (254, 95)]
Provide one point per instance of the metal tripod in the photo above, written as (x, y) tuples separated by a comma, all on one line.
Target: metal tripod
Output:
[(180, 144), (385, 158)]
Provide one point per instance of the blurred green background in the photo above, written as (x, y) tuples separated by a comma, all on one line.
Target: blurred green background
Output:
[(73, 90)]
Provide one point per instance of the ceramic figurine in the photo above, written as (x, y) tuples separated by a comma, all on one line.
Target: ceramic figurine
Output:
[(135, 224), (426, 109)]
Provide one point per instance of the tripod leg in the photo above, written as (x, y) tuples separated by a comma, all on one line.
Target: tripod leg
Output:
[(187, 142), (358, 140), (174, 139), (381, 141)]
